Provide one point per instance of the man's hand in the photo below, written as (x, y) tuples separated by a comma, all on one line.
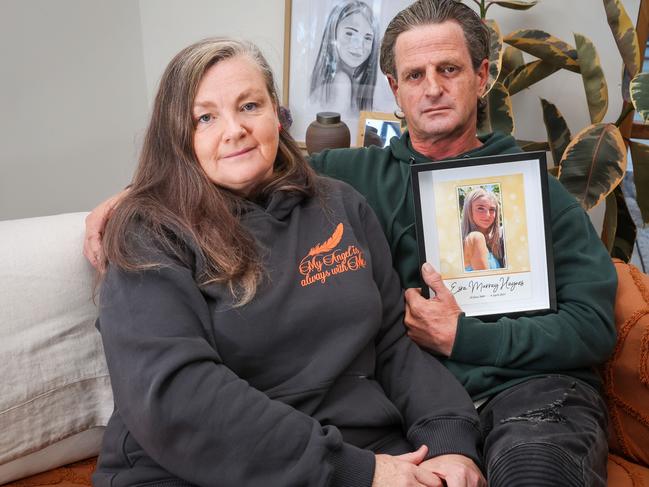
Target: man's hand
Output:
[(456, 470), (402, 471), (95, 225), (432, 323)]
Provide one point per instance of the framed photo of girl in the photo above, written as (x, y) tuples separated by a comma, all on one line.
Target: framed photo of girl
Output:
[(483, 223), (331, 60)]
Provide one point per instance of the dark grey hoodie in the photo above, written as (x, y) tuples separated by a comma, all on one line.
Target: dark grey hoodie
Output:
[(288, 389)]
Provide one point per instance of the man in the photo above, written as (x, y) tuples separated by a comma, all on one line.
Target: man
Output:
[(543, 419), (544, 422)]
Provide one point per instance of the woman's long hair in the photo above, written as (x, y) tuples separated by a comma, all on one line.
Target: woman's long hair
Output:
[(328, 62), (493, 236), (170, 193)]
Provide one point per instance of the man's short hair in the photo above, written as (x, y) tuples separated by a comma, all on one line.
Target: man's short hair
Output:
[(425, 12)]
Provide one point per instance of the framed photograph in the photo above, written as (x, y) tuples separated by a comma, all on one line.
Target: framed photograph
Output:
[(331, 60), (483, 223), (378, 128)]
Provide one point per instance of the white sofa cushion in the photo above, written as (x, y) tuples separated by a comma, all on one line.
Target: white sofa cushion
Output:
[(53, 379)]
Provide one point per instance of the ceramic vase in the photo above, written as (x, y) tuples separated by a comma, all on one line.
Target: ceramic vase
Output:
[(327, 132)]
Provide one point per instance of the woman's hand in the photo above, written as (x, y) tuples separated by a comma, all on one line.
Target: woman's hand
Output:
[(456, 470), (95, 225), (403, 471)]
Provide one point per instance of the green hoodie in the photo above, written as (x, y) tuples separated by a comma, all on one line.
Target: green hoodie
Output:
[(488, 357)]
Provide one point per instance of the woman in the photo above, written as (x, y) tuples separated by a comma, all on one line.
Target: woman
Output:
[(251, 320), (344, 74), (482, 235)]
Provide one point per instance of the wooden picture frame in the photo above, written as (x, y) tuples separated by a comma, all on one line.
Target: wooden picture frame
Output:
[(307, 42), (387, 125)]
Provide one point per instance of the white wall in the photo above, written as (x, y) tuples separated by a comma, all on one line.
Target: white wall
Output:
[(73, 103), (170, 25), (78, 77)]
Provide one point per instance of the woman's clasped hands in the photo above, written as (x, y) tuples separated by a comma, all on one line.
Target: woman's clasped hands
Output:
[(411, 469)]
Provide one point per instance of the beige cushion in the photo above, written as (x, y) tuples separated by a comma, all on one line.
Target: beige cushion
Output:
[(53, 378)]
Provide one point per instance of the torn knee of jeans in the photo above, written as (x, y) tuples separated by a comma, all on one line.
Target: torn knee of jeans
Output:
[(549, 413)]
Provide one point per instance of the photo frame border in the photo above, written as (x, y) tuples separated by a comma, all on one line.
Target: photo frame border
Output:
[(367, 115), (540, 158)]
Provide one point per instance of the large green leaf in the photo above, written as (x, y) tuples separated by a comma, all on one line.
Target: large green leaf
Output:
[(557, 129), (593, 163), (512, 59), (545, 47), (640, 158), (515, 4), (528, 74), (495, 50), (625, 35), (640, 95), (593, 78), (500, 110)]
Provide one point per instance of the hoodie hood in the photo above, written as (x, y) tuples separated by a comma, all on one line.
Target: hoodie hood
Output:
[(492, 144)]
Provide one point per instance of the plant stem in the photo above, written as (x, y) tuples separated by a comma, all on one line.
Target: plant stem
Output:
[(483, 9)]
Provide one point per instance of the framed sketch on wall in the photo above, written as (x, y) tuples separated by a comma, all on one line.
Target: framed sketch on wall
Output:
[(331, 60), (483, 223)]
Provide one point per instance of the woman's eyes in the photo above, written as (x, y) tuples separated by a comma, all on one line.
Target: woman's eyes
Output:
[(484, 209), (246, 107)]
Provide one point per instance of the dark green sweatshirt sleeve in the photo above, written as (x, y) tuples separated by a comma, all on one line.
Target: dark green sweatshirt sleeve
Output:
[(582, 331), (189, 412), (437, 411)]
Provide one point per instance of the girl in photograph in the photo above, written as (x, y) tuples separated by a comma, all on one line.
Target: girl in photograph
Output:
[(344, 75), (482, 234)]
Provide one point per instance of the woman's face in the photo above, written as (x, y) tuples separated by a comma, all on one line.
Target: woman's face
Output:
[(354, 38), (237, 129), (483, 210)]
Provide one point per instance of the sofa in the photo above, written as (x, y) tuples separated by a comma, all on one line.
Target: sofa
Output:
[(55, 396)]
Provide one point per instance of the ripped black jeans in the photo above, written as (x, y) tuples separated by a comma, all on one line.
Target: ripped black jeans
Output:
[(547, 431)]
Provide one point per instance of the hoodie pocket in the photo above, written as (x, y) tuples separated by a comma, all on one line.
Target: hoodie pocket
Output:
[(359, 402)]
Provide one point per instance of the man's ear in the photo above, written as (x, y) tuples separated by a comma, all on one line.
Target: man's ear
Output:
[(394, 86), (483, 75)]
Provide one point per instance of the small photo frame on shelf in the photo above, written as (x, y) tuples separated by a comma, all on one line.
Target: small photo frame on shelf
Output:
[(378, 128), (484, 224)]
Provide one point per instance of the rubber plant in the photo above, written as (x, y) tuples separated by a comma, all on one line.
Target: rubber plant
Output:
[(592, 163)]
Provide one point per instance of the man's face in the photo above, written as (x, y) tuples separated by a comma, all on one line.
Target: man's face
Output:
[(436, 86)]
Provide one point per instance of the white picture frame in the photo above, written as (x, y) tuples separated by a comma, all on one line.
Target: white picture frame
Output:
[(514, 274)]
